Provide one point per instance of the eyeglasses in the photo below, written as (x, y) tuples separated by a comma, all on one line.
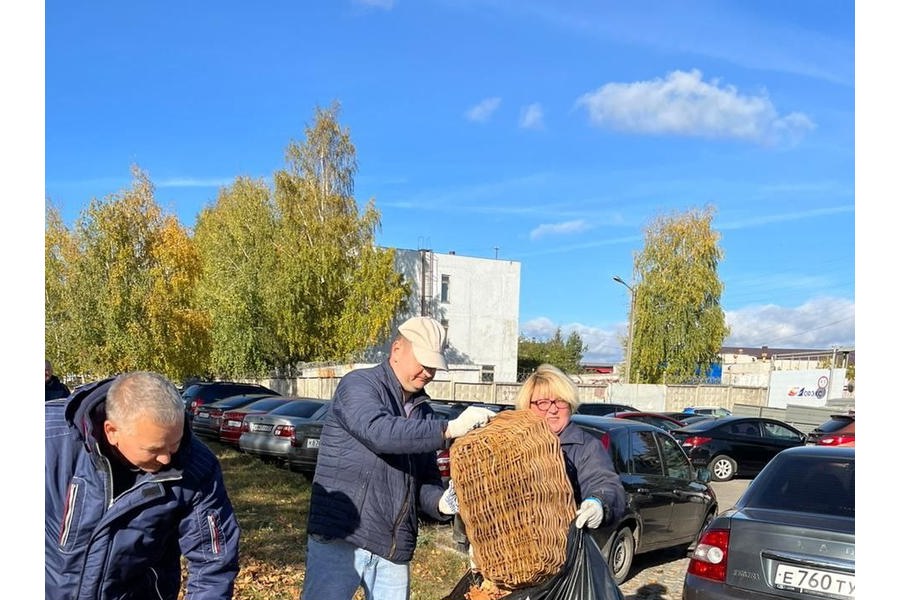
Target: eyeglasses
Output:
[(545, 403)]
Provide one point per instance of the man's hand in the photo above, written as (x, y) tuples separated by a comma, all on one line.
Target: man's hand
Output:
[(590, 514), (449, 503), (469, 419)]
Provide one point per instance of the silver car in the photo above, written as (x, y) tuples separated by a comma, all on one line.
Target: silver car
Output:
[(790, 535), (269, 435)]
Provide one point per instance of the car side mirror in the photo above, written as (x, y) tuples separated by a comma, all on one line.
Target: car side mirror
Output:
[(703, 475)]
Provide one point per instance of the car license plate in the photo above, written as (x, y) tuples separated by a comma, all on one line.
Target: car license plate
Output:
[(233, 423), (802, 579), (203, 415), (312, 443), (260, 428)]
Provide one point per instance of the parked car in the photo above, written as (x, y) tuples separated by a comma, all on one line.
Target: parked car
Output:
[(656, 419), (205, 392), (669, 501), (736, 446), (839, 430), (233, 420), (208, 420), (790, 535), (602, 408), (715, 411), (268, 435)]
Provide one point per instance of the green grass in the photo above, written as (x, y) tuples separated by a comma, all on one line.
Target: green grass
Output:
[(271, 504)]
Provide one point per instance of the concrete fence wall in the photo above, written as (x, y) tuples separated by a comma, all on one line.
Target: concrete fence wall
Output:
[(654, 398)]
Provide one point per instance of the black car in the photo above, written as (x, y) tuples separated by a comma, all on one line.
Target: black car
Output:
[(669, 500), (736, 446), (204, 392), (602, 408), (790, 535)]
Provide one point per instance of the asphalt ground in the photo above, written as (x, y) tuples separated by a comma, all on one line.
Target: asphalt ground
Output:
[(660, 575)]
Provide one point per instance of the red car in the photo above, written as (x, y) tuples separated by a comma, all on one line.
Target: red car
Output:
[(233, 420)]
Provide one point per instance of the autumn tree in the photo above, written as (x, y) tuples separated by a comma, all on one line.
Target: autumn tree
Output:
[(336, 292), (563, 353), (679, 324), (235, 238), (119, 289), (292, 274)]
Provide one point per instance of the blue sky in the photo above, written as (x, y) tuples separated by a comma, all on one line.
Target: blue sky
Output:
[(548, 132)]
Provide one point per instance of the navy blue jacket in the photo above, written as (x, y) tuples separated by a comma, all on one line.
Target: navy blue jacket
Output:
[(591, 471), (102, 548), (54, 388), (376, 466)]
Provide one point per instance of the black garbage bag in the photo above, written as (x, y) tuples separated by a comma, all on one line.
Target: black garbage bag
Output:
[(584, 576)]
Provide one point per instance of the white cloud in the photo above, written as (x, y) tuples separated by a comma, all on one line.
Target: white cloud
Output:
[(558, 229), (482, 111), (683, 104), (532, 117), (820, 323)]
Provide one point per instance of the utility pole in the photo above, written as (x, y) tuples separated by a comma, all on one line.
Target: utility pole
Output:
[(618, 279)]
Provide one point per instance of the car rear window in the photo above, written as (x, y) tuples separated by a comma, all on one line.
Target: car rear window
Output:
[(807, 484), (303, 408), (834, 423)]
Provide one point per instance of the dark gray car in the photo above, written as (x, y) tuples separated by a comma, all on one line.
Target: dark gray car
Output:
[(790, 535), (269, 435)]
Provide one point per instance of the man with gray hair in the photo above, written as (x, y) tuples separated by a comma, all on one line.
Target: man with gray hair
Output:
[(129, 492)]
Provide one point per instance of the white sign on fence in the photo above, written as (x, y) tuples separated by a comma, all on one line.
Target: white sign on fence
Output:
[(809, 387)]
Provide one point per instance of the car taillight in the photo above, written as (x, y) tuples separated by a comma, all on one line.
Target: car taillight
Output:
[(195, 407), (443, 462), (835, 440), (245, 426), (695, 440), (284, 431), (710, 557), (604, 439)]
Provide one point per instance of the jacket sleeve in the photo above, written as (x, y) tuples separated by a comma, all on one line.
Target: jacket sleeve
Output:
[(209, 537), (598, 478)]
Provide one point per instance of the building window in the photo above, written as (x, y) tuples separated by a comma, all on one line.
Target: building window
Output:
[(445, 288), (487, 373)]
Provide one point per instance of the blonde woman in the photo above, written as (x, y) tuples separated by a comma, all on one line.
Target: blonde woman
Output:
[(599, 495)]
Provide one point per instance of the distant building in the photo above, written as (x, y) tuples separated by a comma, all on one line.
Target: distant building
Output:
[(477, 302)]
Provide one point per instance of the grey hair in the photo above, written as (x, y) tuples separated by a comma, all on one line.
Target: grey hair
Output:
[(142, 393)]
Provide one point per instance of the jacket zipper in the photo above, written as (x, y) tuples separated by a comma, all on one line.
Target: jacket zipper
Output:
[(68, 511), (215, 540)]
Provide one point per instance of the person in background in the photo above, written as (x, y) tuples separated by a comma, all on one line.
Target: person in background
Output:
[(129, 492), (598, 491), (53, 387), (377, 467)]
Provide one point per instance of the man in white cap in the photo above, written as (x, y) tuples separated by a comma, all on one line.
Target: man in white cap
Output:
[(377, 468)]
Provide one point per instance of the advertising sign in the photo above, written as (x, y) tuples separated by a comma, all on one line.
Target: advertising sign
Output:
[(810, 387)]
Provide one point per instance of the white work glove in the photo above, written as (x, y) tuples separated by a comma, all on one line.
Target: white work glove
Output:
[(469, 419), (449, 503), (590, 514)]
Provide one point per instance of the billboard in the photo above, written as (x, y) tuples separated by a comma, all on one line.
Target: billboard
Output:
[(809, 387)]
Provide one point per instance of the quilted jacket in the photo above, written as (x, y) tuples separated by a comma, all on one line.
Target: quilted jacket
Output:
[(376, 466), (99, 547)]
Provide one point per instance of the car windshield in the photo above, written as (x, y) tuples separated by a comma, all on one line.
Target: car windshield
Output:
[(806, 484)]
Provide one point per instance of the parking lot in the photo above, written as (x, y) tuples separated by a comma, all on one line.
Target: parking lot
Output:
[(659, 575)]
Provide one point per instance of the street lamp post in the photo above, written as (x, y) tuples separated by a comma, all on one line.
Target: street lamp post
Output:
[(618, 279)]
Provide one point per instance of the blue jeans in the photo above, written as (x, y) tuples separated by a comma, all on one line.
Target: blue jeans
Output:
[(335, 569)]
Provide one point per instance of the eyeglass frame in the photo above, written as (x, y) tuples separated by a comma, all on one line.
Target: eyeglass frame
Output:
[(557, 402)]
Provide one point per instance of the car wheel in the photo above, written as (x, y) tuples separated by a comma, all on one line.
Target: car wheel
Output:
[(621, 554), (722, 468)]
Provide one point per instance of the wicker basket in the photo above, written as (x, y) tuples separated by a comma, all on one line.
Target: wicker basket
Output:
[(514, 498)]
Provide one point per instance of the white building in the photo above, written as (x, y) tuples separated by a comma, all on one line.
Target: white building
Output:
[(477, 302)]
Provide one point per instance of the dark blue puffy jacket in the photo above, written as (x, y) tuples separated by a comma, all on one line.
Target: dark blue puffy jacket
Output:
[(376, 466), (100, 548)]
